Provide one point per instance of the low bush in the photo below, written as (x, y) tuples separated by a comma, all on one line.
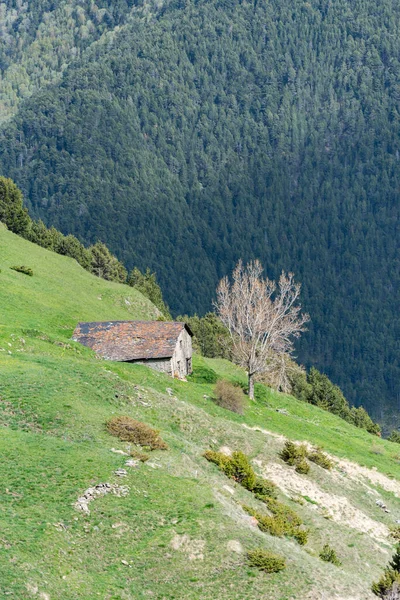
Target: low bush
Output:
[(283, 521), (23, 269), (293, 453), (203, 374), (388, 585), (281, 510), (135, 453), (301, 536), (265, 560), (319, 458), (271, 525), (264, 487), (236, 467), (328, 554), (302, 467), (229, 396), (218, 458), (129, 430), (242, 471)]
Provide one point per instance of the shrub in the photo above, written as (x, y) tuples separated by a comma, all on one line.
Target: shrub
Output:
[(328, 554), (23, 269), (301, 536), (203, 375), (390, 581), (222, 461), (236, 467), (319, 458), (264, 487), (266, 561), (129, 430), (281, 510), (302, 467), (271, 525), (293, 453), (283, 522), (135, 453), (242, 471), (229, 396)]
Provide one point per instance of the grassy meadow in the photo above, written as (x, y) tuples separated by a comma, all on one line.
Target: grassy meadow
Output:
[(171, 536)]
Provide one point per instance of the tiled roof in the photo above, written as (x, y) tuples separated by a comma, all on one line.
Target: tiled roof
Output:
[(130, 340)]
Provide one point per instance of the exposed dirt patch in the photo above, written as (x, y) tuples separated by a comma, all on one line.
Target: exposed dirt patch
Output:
[(277, 436), (352, 470), (193, 548), (360, 474), (338, 508)]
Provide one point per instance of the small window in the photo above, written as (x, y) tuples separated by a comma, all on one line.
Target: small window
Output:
[(188, 366)]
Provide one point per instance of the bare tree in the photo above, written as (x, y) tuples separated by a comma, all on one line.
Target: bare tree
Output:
[(261, 317)]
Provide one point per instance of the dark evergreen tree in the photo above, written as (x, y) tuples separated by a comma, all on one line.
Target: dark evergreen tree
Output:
[(12, 211)]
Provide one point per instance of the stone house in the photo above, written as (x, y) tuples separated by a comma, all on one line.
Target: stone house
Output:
[(164, 346)]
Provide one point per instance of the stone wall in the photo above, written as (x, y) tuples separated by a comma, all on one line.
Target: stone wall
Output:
[(181, 361), (158, 364)]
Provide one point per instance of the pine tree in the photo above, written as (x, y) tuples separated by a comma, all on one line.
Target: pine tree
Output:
[(12, 211)]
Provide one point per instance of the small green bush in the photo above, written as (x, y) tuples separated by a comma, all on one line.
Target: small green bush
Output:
[(279, 509), (229, 396), (242, 471), (389, 581), (319, 458), (236, 467), (222, 461), (388, 585), (23, 269), (203, 374), (264, 487), (293, 453), (302, 467), (328, 554), (129, 430), (283, 522), (265, 561), (301, 536)]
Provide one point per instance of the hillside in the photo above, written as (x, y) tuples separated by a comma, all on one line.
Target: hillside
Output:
[(188, 135), (179, 530)]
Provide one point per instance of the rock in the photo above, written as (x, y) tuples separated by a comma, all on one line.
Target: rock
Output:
[(229, 489), (132, 463), (125, 562), (225, 450), (234, 546), (101, 489), (169, 391), (283, 411), (121, 472), (119, 452)]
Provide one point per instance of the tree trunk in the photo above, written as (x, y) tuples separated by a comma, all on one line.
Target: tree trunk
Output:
[(251, 386)]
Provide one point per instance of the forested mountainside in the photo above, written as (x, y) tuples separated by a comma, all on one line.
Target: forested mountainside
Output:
[(196, 133)]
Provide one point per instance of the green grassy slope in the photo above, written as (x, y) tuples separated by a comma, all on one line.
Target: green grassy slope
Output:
[(169, 536)]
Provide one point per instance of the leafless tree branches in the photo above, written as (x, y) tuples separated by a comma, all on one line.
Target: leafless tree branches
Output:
[(261, 316)]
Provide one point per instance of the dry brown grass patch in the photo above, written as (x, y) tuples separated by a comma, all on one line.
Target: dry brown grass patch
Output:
[(129, 430)]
